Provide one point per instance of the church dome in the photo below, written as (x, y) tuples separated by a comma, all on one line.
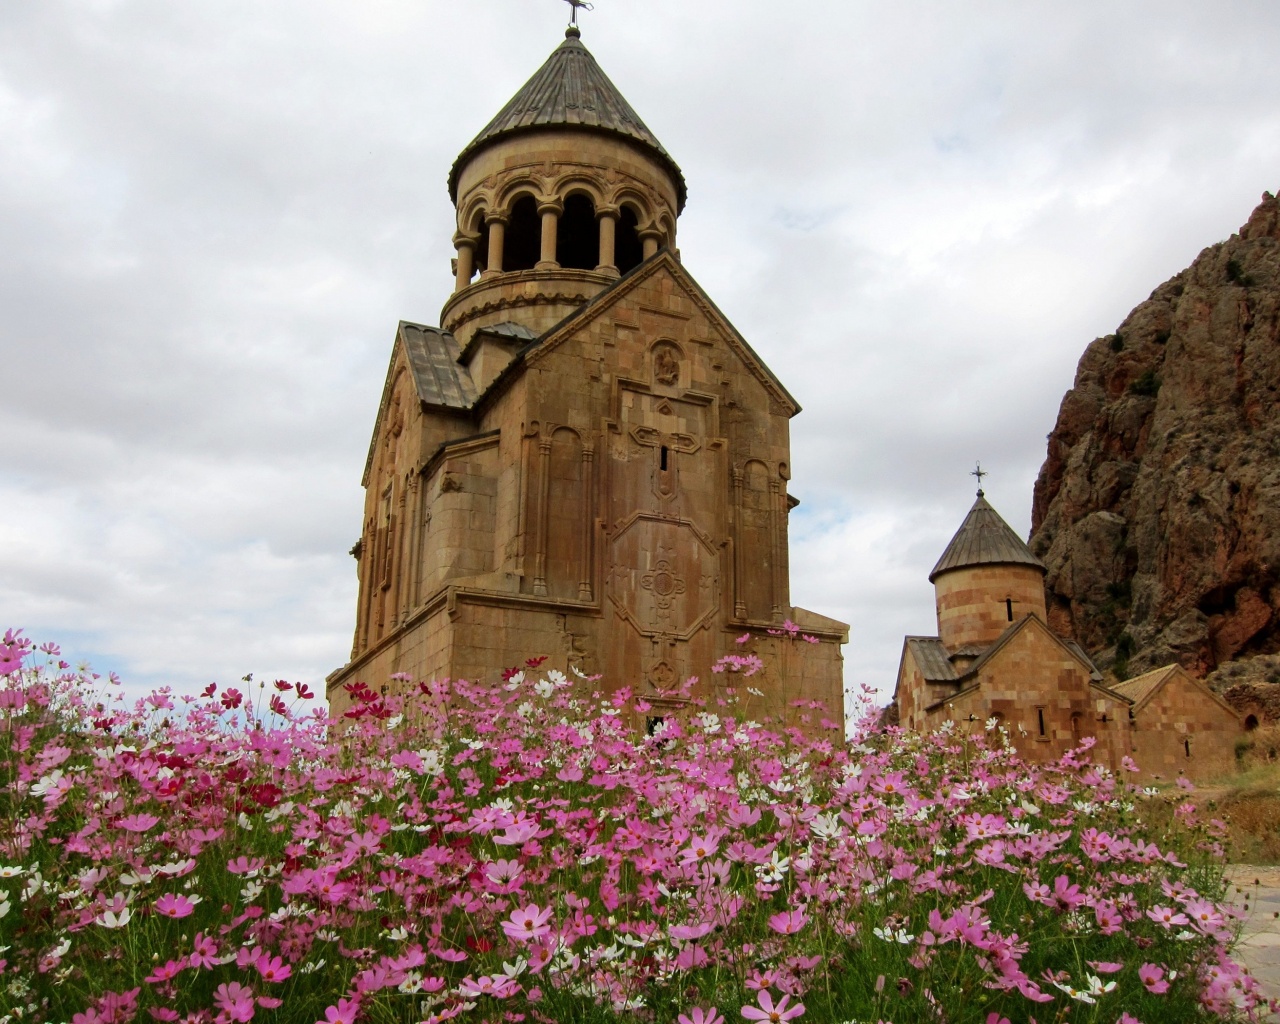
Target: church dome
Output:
[(569, 91), (984, 539)]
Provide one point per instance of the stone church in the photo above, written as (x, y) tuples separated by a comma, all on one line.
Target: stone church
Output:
[(585, 460), (995, 660)]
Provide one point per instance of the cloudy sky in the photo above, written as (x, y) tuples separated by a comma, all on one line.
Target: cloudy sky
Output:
[(212, 216)]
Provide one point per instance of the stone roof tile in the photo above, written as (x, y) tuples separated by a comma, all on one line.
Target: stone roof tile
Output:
[(984, 539), (438, 376), (569, 90)]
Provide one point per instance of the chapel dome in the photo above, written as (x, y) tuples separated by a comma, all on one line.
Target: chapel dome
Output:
[(984, 539), (570, 91)]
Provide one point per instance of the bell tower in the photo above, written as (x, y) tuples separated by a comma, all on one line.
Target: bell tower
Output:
[(563, 191), (585, 460)]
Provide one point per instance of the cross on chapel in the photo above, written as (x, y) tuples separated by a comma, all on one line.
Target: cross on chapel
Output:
[(574, 5)]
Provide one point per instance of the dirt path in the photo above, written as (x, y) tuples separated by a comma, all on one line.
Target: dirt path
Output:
[(1259, 947)]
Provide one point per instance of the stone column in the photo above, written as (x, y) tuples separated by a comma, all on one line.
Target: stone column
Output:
[(739, 601), (608, 217), (550, 209), (466, 246), (497, 237), (544, 499), (649, 238), (588, 526)]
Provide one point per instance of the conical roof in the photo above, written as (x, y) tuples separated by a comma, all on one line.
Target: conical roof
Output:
[(984, 539), (569, 90)]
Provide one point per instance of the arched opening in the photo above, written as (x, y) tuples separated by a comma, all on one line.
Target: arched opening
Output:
[(524, 236), (1250, 723), (478, 227), (628, 251), (1186, 745), (578, 235)]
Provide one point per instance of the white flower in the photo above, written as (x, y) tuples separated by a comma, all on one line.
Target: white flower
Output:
[(516, 969), (1097, 988), (251, 892), (5, 905), (176, 868), (47, 784), (110, 919), (11, 872), (901, 936), (60, 950), (543, 688), (825, 826), (514, 682), (398, 934), (138, 877), (557, 678), (312, 967), (525, 710)]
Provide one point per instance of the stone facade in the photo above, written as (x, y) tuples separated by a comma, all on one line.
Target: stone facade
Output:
[(995, 661), (586, 460)]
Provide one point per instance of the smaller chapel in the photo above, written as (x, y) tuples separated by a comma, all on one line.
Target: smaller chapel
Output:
[(996, 660)]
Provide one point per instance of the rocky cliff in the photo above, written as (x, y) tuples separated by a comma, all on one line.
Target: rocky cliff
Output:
[(1157, 510)]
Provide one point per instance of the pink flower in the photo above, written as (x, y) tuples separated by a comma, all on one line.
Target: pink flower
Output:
[(272, 968), (231, 698), (995, 1018), (771, 1013), (138, 822), (344, 1012), (1167, 917), (166, 973), (499, 986), (528, 924), (176, 906), (788, 922), (1153, 978), (701, 1016), (204, 952), (235, 1001)]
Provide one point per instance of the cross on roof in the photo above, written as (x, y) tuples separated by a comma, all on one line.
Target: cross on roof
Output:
[(979, 472), (574, 5)]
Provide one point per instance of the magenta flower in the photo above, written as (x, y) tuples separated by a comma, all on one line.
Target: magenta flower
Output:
[(235, 1000), (788, 922), (528, 924), (165, 973), (345, 1012), (176, 906), (701, 1016), (138, 822), (774, 1014), (1152, 977), (272, 968)]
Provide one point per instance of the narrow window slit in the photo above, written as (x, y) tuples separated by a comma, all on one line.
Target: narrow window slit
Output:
[(1008, 607), (664, 458)]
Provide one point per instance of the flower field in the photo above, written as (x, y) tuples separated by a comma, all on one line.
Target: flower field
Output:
[(522, 853)]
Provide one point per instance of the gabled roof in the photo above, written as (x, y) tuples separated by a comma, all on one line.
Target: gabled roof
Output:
[(1141, 689), (932, 659), (984, 539), (439, 380), (569, 91), (433, 357), (662, 260)]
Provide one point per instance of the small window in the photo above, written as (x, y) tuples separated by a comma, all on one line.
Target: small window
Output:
[(664, 458), (653, 723), (1250, 723), (1040, 719), (1186, 745), (1008, 607)]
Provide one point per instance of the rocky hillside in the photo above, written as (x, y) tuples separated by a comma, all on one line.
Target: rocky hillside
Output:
[(1157, 509)]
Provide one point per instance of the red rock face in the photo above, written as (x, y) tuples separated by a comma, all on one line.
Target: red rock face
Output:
[(1157, 509)]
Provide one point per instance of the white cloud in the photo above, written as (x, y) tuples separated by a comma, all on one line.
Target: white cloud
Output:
[(213, 217)]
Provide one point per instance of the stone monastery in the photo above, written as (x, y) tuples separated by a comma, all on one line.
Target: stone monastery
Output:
[(995, 659), (585, 460)]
